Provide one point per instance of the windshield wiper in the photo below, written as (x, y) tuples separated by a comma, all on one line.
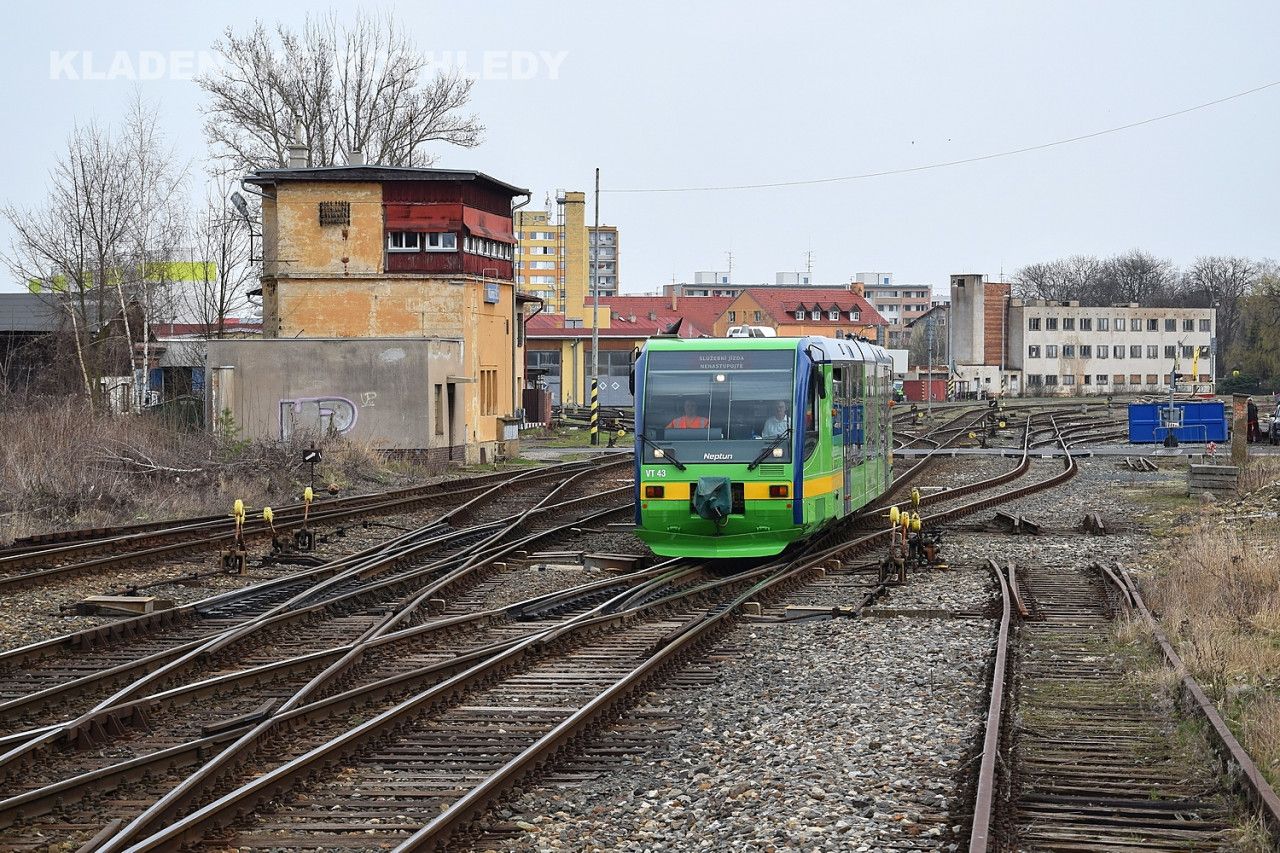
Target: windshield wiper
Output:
[(666, 452), (768, 448)]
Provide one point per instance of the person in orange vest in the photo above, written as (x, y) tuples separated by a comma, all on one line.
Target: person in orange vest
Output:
[(690, 419)]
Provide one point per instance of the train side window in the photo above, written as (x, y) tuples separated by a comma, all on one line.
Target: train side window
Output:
[(811, 420)]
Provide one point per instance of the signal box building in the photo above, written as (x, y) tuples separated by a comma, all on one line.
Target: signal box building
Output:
[(378, 252)]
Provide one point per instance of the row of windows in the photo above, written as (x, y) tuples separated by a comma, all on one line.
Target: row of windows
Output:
[(539, 235), (1103, 324), (1097, 379), (831, 314), (446, 241), (1116, 351), (758, 316)]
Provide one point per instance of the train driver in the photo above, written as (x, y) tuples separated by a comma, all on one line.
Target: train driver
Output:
[(690, 419), (778, 423)]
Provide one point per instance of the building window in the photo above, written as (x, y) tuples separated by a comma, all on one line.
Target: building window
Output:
[(1050, 379), (1153, 325), (1033, 379), (1068, 350), (833, 314), (1119, 378), (733, 316), (1033, 351), (1153, 379), (1135, 378), (439, 407), (1051, 351), (759, 316), (441, 241), (1187, 351), (1170, 351), (1135, 351), (1033, 324), (1086, 351), (573, 324), (1117, 351), (815, 315), (1068, 325), (1119, 324), (1170, 325), (799, 313), (1188, 325), (1069, 379), (1204, 352), (1088, 380), (1103, 322), (404, 241), (1102, 351), (1153, 351), (1206, 325), (1051, 324), (1086, 324), (1100, 379), (854, 316), (335, 212)]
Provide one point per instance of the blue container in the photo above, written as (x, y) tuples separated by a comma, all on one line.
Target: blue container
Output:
[(1202, 421)]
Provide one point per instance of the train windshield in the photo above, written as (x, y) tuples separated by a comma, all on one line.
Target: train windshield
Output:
[(720, 405)]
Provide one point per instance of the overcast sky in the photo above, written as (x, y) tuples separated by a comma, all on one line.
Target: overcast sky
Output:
[(680, 94)]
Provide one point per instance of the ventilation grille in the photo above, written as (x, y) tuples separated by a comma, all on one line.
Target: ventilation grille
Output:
[(335, 213), (771, 471)]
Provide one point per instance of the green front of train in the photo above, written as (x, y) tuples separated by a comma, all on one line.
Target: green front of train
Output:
[(745, 445)]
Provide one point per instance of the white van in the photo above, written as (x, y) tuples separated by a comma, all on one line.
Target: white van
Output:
[(751, 332)]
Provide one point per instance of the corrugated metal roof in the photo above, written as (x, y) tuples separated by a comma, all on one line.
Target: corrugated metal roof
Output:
[(27, 312)]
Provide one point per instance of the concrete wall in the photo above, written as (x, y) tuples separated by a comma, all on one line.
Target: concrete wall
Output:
[(968, 300), (392, 393)]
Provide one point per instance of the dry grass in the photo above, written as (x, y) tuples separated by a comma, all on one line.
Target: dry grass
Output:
[(63, 466), (1259, 473), (1218, 596)]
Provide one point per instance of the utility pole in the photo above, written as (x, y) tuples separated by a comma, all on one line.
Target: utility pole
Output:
[(594, 255), (928, 383)]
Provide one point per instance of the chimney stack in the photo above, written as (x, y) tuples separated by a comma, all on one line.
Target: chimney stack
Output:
[(355, 157), (299, 153), (675, 288)]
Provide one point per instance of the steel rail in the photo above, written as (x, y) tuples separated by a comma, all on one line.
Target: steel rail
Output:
[(164, 663), (984, 800), (1241, 768), (255, 529)]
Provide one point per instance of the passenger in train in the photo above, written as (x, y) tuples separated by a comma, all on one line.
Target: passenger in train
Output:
[(777, 423)]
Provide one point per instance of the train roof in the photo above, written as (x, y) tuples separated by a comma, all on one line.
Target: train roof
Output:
[(835, 349)]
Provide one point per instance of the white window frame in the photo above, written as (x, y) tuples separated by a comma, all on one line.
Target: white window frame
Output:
[(440, 241), (391, 240), (833, 314)]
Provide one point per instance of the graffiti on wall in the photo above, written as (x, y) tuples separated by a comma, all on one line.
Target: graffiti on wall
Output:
[(322, 416)]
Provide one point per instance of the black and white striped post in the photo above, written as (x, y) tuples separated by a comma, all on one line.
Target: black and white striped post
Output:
[(595, 410)]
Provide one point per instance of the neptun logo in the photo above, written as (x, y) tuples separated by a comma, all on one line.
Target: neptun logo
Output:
[(717, 457)]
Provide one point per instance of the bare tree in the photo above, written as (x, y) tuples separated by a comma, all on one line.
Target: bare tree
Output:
[(1076, 277), (1138, 276), (220, 256), (1225, 281), (74, 243), (156, 225), (360, 87), (97, 241)]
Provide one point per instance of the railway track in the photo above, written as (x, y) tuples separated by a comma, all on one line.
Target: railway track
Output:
[(35, 562), (1077, 756), (438, 745)]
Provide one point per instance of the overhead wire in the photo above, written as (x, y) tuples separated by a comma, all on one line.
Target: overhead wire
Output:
[(948, 163)]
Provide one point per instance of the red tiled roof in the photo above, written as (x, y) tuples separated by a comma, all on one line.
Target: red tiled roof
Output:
[(699, 312), (552, 326), (782, 302), (230, 324)]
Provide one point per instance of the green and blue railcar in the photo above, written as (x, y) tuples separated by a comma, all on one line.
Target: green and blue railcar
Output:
[(715, 478)]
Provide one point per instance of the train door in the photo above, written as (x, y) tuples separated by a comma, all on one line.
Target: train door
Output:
[(844, 396)]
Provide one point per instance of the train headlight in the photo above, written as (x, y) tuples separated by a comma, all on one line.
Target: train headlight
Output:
[(777, 452), (659, 452), (654, 491), (719, 377)]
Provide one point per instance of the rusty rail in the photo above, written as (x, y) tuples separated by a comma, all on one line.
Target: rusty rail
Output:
[(979, 835)]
